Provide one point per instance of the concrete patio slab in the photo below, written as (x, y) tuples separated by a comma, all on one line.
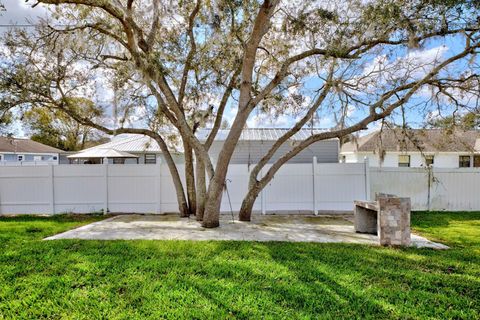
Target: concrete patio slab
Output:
[(292, 228)]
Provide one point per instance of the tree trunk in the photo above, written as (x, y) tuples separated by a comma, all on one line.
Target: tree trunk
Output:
[(212, 206), (245, 213), (182, 201), (245, 106), (201, 189), (190, 179), (217, 183)]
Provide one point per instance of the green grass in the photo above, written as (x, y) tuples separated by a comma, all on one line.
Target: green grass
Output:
[(73, 279)]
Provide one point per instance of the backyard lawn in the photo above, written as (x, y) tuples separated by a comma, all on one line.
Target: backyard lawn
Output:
[(74, 279)]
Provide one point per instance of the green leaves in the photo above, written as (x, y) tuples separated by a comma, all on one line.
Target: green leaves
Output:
[(55, 128), (468, 121)]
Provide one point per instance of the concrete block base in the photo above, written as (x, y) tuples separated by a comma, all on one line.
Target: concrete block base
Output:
[(388, 217)]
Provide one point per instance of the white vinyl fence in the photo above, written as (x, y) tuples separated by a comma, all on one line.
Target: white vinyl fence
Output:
[(453, 189), (149, 188), (296, 188)]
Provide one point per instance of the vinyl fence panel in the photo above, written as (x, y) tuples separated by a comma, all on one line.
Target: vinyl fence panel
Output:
[(403, 182), (453, 189), (236, 187), (338, 185), (79, 188), (133, 188), (26, 189), (296, 188), (291, 189)]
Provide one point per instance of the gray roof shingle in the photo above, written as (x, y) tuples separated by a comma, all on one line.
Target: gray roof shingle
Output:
[(425, 140), (17, 145)]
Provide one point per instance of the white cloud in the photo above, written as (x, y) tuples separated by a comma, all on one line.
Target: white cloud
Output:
[(412, 66), (262, 120), (19, 11)]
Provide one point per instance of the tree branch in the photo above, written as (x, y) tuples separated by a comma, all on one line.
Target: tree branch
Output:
[(372, 116), (221, 109), (297, 127), (191, 53)]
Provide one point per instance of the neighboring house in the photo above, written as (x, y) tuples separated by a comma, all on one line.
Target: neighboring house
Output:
[(251, 147), (25, 151), (416, 148), (254, 143), (144, 147)]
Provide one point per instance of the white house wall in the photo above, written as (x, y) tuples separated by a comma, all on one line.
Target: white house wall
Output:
[(441, 160), (29, 158)]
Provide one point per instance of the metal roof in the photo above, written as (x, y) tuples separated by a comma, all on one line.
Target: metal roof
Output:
[(133, 143), (102, 153), (260, 134), (142, 144)]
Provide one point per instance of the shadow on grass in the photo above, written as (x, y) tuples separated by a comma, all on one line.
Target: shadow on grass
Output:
[(221, 279), (239, 279)]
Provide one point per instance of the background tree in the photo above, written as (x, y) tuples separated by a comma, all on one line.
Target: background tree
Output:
[(56, 129), (468, 121), (184, 63), (5, 123)]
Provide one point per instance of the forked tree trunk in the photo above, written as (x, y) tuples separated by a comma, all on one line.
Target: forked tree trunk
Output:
[(190, 179), (201, 189), (215, 188)]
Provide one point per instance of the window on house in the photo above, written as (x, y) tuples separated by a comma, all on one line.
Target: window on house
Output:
[(476, 161), (1, 157), (150, 158), (37, 158), (20, 157), (118, 160), (429, 160), (464, 161), (404, 160)]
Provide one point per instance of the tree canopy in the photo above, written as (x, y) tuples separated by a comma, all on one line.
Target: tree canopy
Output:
[(468, 121), (57, 129)]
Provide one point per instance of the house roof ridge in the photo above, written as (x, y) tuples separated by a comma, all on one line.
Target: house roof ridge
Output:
[(369, 137), (414, 139), (26, 145)]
